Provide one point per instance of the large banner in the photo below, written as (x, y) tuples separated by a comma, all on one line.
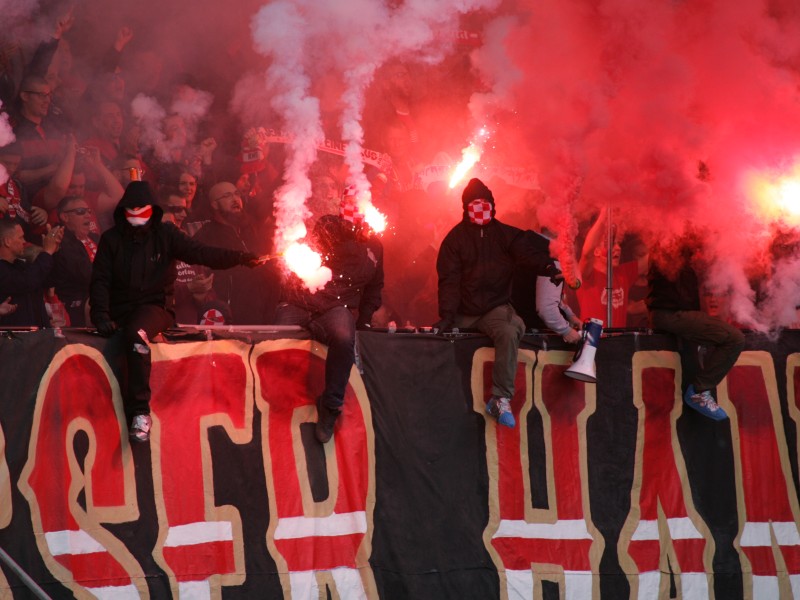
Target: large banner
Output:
[(611, 491)]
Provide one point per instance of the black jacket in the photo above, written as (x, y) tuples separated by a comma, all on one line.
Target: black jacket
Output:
[(26, 283), (72, 275), (476, 266), (681, 294), (356, 263), (251, 294), (136, 265)]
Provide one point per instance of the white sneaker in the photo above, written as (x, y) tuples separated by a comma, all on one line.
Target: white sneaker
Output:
[(140, 428)]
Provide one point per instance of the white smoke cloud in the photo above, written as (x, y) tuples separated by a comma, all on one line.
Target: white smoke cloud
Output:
[(6, 137), (149, 114)]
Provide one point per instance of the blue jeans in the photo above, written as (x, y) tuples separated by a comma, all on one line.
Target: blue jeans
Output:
[(336, 328)]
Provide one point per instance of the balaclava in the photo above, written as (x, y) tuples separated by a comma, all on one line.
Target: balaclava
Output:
[(478, 202)]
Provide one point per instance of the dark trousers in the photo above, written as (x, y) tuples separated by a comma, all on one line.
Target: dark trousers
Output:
[(505, 328), (152, 320), (723, 340), (336, 328)]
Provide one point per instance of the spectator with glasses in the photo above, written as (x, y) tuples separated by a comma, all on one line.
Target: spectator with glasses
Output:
[(72, 270), (42, 146)]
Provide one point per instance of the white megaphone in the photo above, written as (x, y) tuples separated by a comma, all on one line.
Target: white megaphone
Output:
[(582, 367)]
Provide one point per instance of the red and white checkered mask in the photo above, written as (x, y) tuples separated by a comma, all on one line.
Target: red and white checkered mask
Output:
[(348, 210), (479, 211), (139, 215)]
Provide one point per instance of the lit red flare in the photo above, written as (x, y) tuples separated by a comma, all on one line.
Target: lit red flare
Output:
[(777, 196), (470, 156), (374, 218), (307, 265)]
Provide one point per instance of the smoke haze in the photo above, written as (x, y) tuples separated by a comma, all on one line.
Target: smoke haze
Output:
[(667, 111)]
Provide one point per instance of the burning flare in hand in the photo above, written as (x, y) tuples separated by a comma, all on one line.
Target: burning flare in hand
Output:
[(307, 265)]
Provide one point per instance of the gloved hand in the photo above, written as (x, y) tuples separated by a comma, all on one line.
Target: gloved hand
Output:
[(364, 321), (555, 275), (443, 325), (248, 259), (105, 326)]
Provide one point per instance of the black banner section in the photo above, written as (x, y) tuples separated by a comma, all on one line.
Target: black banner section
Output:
[(605, 491)]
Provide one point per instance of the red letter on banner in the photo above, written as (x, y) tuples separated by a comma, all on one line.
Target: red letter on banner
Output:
[(79, 393), (768, 505), (663, 531), (5, 498), (529, 545), (197, 386), (5, 485), (325, 542)]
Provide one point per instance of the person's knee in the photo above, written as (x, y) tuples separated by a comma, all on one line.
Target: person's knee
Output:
[(737, 340)]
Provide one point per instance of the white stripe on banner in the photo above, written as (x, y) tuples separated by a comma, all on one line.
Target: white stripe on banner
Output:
[(680, 528), (578, 585), (72, 542), (757, 534), (349, 584), (292, 528), (194, 590), (303, 584), (574, 529), (519, 584), (126, 592), (694, 586), (765, 587), (649, 582), (202, 532)]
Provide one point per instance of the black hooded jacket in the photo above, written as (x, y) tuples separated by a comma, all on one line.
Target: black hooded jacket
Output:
[(356, 264), (136, 265), (476, 262)]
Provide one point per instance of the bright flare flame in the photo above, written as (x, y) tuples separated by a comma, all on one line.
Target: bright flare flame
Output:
[(776, 196), (470, 155), (374, 218), (789, 195), (307, 265)]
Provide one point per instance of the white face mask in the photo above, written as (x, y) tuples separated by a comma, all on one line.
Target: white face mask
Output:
[(479, 211), (139, 215)]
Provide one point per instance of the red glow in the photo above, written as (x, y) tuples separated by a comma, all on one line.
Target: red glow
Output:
[(470, 156)]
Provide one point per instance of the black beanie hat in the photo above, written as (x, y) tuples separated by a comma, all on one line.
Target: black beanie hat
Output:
[(138, 193), (476, 190)]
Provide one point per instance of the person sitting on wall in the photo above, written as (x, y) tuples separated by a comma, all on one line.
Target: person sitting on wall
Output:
[(131, 287), (475, 264), (674, 304), (355, 257)]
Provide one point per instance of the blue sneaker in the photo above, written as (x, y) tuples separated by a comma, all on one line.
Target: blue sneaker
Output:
[(500, 409), (704, 403)]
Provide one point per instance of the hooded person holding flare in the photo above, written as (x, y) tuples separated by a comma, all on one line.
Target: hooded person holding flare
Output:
[(131, 287)]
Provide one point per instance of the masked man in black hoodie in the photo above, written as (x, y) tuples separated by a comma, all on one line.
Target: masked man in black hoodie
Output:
[(476, 265), (131, 287)]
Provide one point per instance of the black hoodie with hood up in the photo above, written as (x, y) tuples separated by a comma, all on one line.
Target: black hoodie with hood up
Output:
[(136, 265)]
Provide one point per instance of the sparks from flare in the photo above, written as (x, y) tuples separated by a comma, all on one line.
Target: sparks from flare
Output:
[(307, 265), (469, 157)]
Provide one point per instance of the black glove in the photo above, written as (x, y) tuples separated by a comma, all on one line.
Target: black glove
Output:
[(105, 326), (551, 271), (443, 326), (248, 259), (364, 321)]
